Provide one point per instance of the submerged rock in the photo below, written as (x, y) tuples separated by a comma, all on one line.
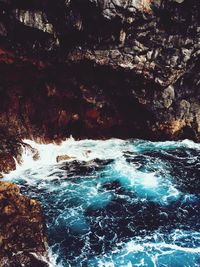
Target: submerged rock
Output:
[(22, 237)]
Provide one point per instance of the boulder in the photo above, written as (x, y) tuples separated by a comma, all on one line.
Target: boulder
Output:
[(63, 158), (22, 234)]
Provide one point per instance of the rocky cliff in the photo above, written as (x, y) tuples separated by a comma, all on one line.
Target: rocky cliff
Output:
[(93, 69), (100, 68), (22, 238)]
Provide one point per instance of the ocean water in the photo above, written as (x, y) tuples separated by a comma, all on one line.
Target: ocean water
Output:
[(117, 203)]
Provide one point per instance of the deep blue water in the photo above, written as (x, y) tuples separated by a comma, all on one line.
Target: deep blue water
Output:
[(136, 204)]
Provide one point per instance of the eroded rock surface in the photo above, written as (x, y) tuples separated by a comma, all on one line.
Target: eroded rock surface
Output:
[(10, 151), (100, 68), (22, 238), (7, 163)]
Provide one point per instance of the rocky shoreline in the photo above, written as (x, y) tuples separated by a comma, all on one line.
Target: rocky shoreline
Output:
[(22, 235), (90, 69), (97, 69)]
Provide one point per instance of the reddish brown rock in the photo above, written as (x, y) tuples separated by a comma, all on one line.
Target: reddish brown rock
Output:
[(100, 69), (7, 163), (22, 237)]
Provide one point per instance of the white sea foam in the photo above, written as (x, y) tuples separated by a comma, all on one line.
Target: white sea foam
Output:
[(145, 184), (87, 150), (141, 146), (84, 150), (150, 185), (53, 259), (150, 251)]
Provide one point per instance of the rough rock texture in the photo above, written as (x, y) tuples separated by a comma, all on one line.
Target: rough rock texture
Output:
[(100, 68), (10, 148), (22, 239), (7, 163)]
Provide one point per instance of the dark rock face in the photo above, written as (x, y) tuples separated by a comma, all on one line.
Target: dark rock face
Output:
[(100, 68), (22, 239), (7, 163), (10, 148)]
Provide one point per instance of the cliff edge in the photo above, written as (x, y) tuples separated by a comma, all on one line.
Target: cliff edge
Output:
[(100, 68)]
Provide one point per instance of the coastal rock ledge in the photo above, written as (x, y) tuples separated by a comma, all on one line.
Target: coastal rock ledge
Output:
[(22, 238)]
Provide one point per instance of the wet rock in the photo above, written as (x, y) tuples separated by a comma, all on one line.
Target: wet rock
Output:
[(63, 158), (7, 163), (10, 151), (22, 238), (34, 152), (25, 259)]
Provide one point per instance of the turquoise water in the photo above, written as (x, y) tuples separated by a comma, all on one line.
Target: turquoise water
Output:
[(129, 203)]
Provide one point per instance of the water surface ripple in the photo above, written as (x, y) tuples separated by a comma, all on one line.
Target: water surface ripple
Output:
[(118, 203)]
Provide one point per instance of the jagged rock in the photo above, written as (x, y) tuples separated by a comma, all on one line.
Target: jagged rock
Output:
[(35, 19), (22, 238), (7, 163), (10, 152), (98, 69)]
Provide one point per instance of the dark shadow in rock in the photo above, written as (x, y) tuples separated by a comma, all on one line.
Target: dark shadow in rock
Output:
[(84, 168)]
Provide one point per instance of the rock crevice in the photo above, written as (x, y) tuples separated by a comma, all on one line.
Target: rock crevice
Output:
[(100, 69)]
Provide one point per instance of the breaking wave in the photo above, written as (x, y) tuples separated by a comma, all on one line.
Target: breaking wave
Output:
[(117, 203)]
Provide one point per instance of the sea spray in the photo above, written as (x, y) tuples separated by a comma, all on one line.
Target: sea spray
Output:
[(117, 202)]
